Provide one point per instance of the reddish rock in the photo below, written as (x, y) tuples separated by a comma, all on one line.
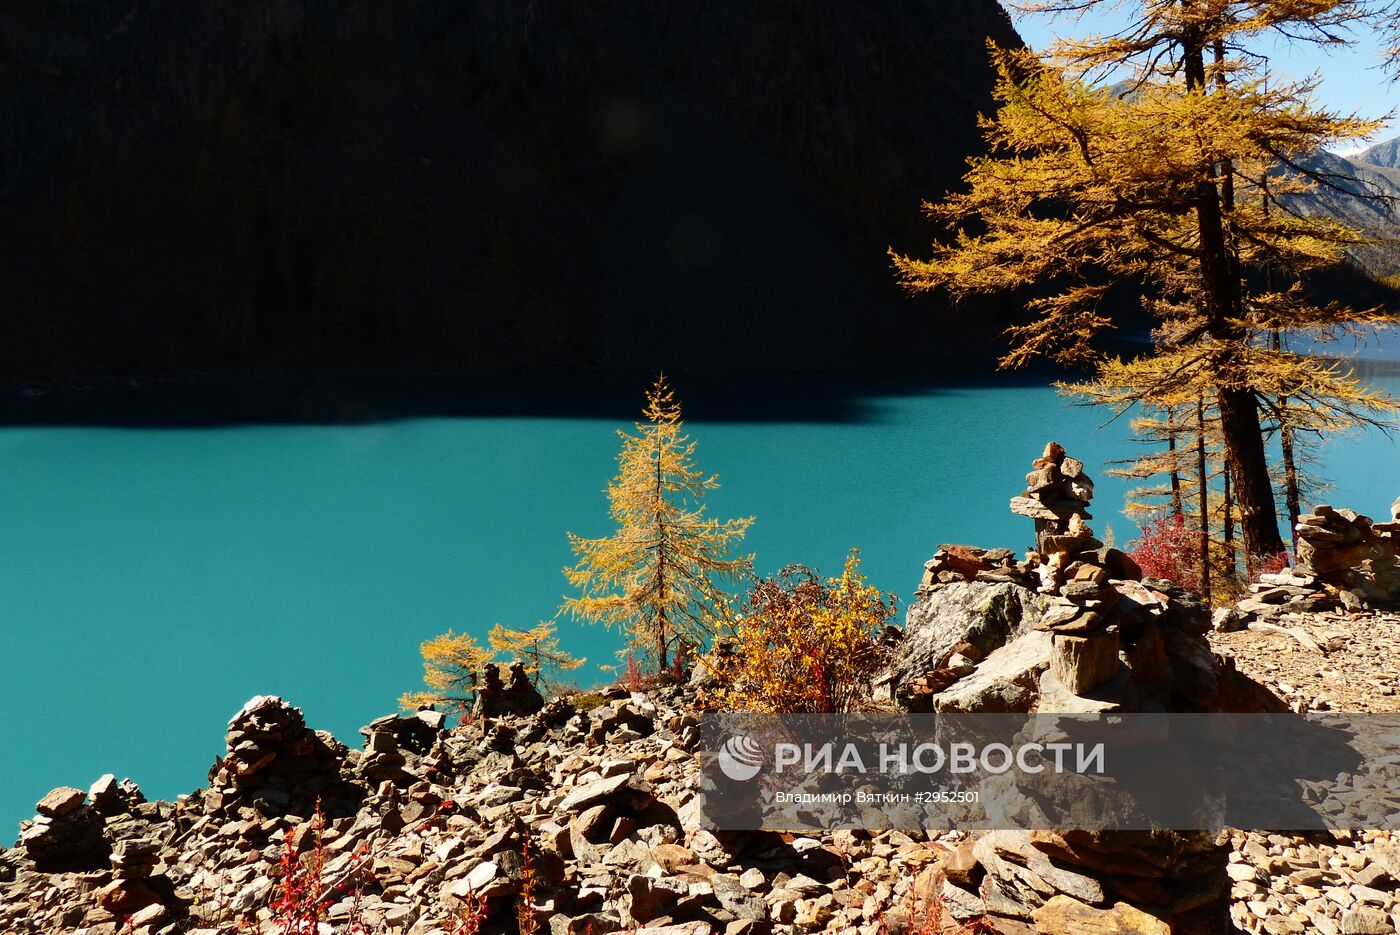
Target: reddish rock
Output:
[(60, 802)]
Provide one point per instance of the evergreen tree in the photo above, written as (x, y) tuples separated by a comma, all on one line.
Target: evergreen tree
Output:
[(538, 648), (657, 576), (1177, 180)]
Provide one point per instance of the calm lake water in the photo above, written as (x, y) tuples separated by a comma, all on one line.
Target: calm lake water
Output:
[(156, 578)]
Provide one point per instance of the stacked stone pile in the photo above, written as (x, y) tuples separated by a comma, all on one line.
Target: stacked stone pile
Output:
[(1074, 881), (416, 732), (136, 891), (1073, 627), (1057, 492), (1352, 552), (277, 765), (1345, 560), (495, 697), (66, 834), (111, 797)]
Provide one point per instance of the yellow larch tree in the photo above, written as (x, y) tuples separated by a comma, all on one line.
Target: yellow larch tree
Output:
[(537, 647), (659, 576), (452, 664), (1179, 180)]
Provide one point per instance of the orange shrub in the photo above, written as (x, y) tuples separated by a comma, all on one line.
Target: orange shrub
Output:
[(802, 644)]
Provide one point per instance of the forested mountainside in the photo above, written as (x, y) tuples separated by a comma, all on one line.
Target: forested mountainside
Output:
[(439, 186)]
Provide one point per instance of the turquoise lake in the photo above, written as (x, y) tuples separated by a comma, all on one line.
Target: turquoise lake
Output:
[(156, 578)]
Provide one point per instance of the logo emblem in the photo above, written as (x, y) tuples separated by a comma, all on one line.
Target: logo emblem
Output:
[(740, 758)]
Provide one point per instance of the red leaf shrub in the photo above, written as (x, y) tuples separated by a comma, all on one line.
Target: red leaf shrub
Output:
[(1167, 548)]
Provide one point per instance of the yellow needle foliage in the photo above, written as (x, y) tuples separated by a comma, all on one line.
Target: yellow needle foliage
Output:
[(451, 666), (1164, 158), (538, 648), (803, 644), (657, 577)]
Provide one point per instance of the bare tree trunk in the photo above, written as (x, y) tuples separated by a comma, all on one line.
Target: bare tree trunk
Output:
[(1239, 410), (1291, 494), (1227, 520), (660, 573), (1203, 492), (1175, 474)]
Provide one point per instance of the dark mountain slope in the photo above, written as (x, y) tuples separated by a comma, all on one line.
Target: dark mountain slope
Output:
[(434, 186)]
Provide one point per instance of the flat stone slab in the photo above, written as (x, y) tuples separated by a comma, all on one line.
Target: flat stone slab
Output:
[(594, 793), (1007, 680), (60, 802)]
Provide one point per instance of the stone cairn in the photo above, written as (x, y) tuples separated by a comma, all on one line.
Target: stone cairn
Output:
[(277, 765), (495, 698), (1084, 646), (136, 888), (1106, 624), (1345, 560), (66, 834), (1072, 628)]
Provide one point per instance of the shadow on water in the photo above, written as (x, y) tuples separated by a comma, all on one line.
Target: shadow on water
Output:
[(849, 397), (828, 397)]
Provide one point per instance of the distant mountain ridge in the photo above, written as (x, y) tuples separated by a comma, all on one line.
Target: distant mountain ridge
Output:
[(1366, 195), (438, 186), (1385, 155)]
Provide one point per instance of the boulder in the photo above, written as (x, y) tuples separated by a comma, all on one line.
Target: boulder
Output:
[(1063, 915), (983, 615), (1083, 662), (1006, 681)]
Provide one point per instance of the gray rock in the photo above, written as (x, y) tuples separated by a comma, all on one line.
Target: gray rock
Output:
[(1083, 663), (649, 898), (1194, 671), (1006, 681), (1227, 620), (594, 793), (985, 615)]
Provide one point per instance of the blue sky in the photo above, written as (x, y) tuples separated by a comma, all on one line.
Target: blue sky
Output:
[(1351, 78)]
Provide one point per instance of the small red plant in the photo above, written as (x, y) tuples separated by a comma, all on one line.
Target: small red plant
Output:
[(359, 875), (637, 675), (1167, 548), (1268, 565), (928, 916), (297, 907), (525, 904), (470, 918)]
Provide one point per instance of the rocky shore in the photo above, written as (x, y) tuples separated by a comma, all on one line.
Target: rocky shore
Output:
[(582, 814)]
